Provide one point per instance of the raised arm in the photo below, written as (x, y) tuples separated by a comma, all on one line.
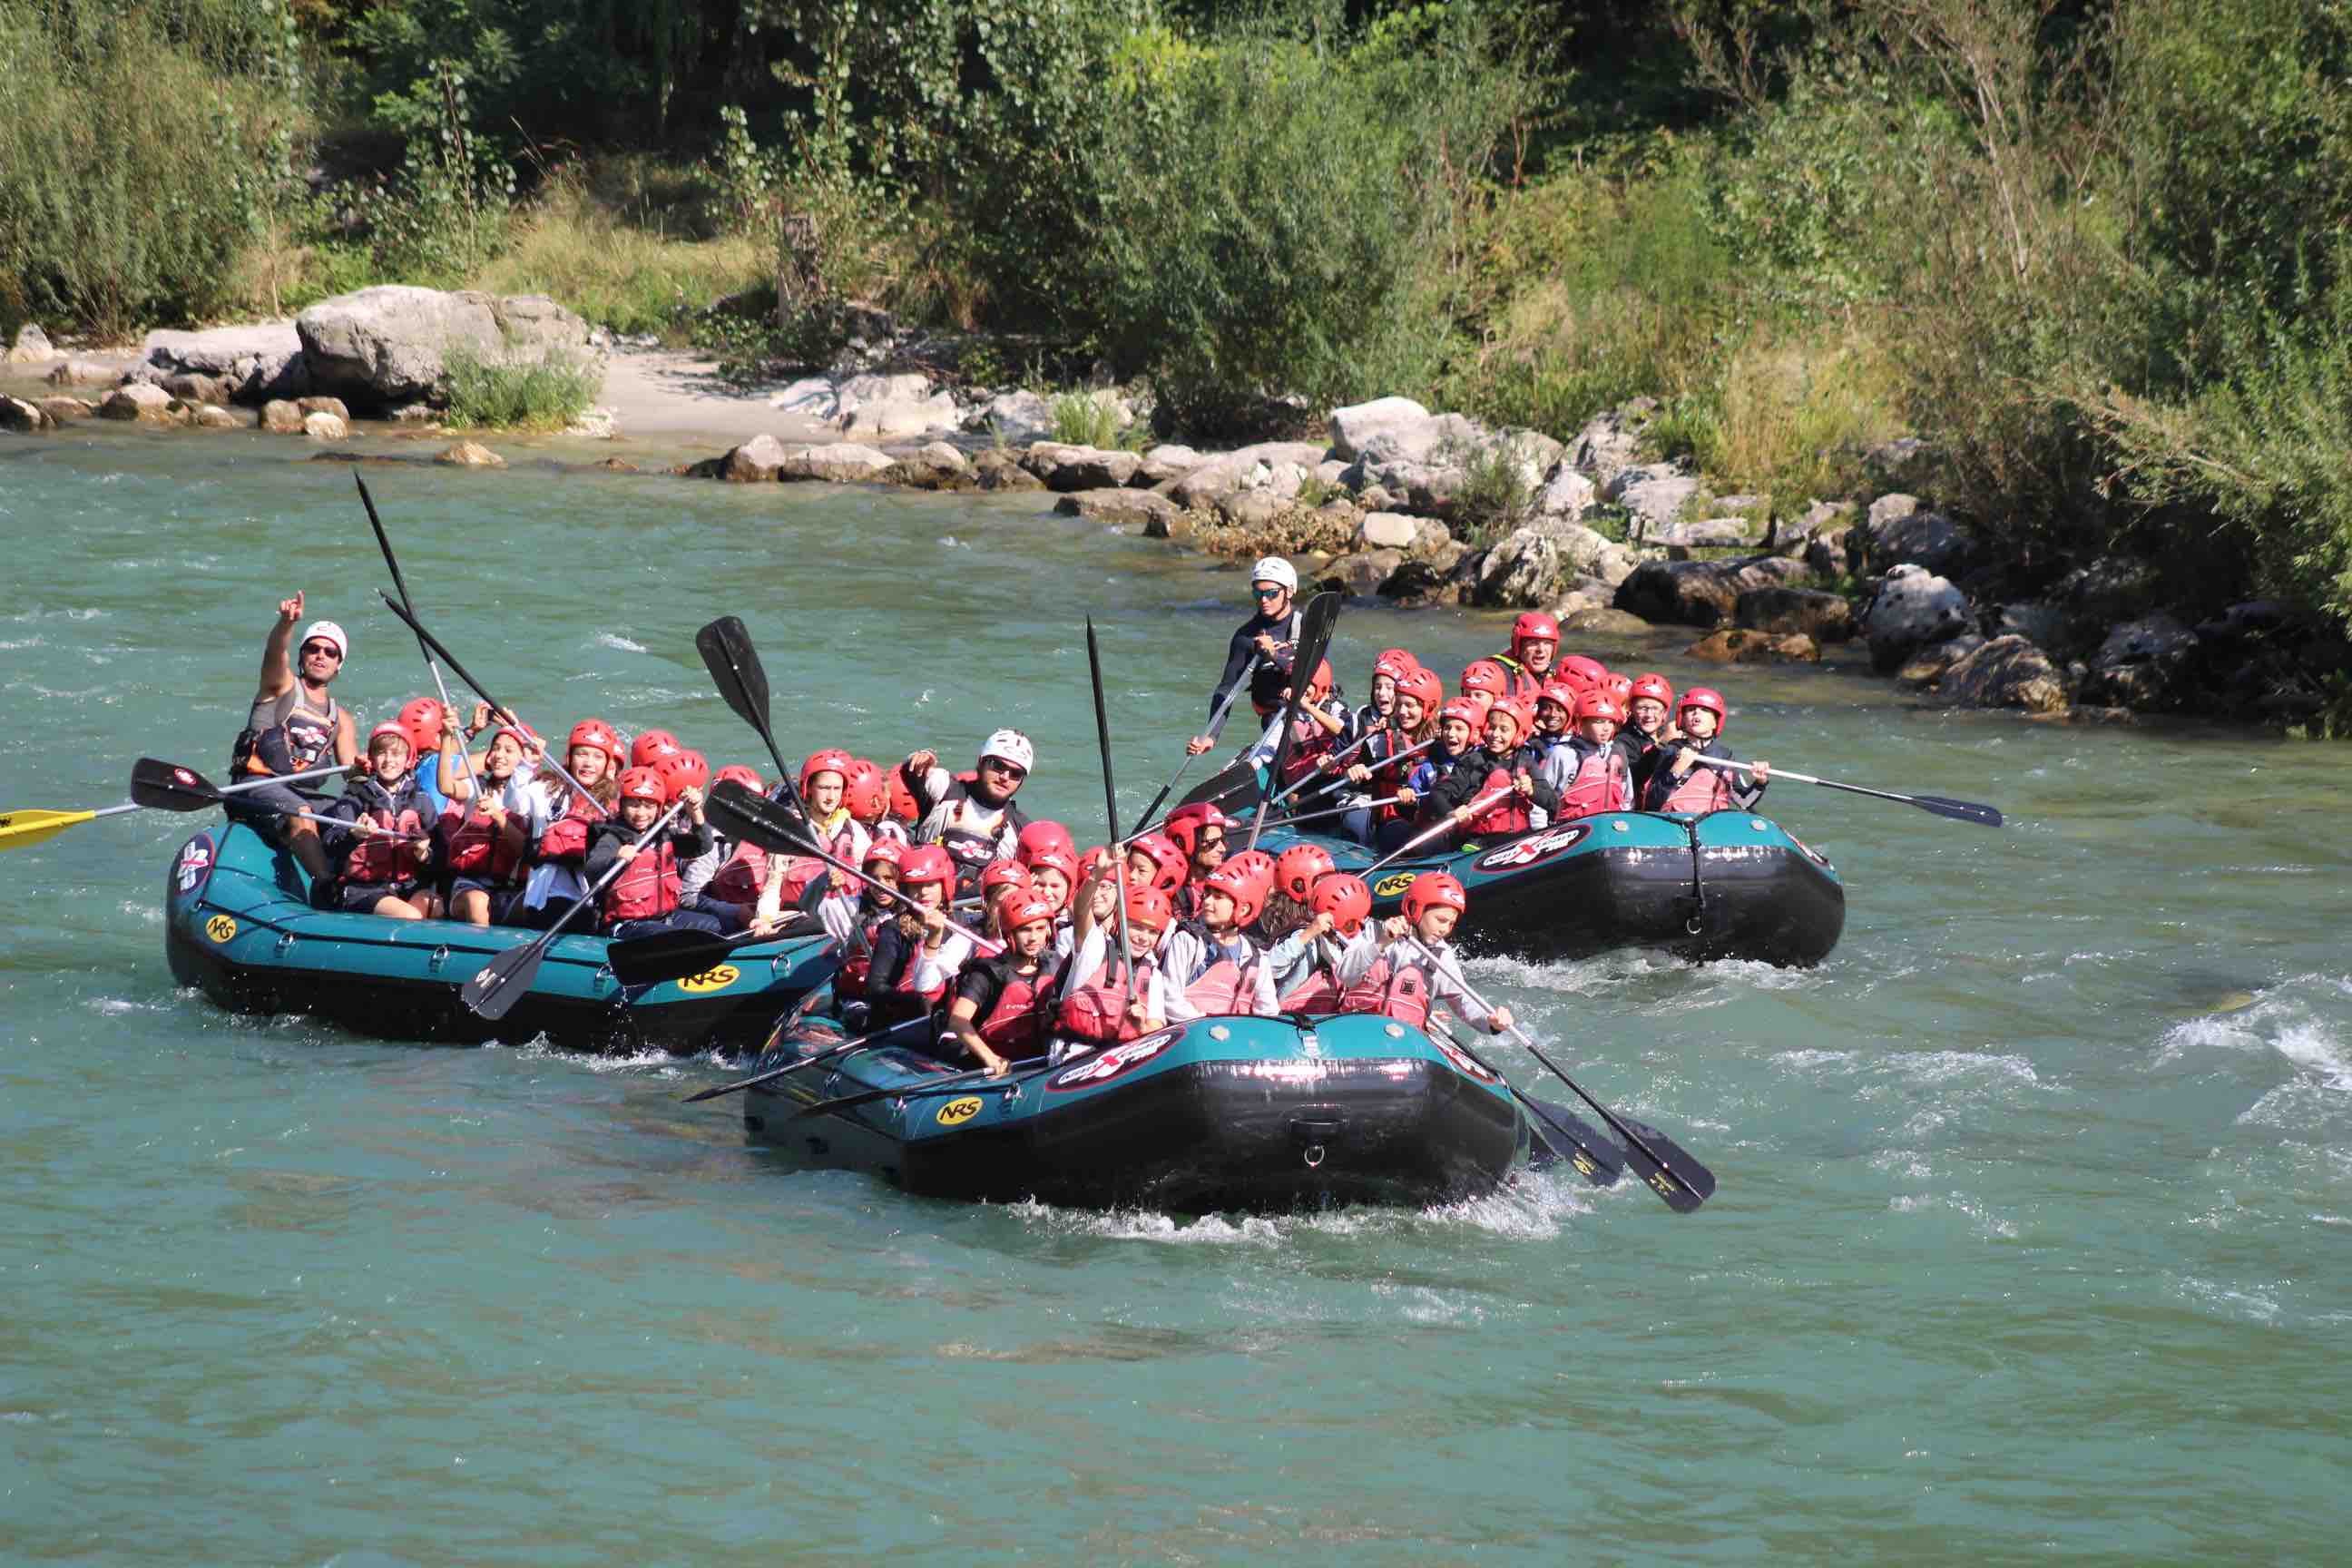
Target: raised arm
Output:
[(277, 669)]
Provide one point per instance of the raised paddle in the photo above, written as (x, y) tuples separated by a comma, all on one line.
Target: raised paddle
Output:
[(1328, 765), (1596, 1159), (743, 681), (492, 993), (1405, 755), (400, 583), (19, 830), (843, 1049), (1314, 636), (676, 955), (1216, 728), (1671, 1172), (1441, 825), (1110, 805), (1957, 810)]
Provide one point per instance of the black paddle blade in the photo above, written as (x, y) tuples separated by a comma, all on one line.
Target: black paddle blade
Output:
[(1957, 810), (493, 993), (734, 664), (1589, 1151), (666, 955), (168, 786), (739, 813), (1236, 789), (1685, 1169)]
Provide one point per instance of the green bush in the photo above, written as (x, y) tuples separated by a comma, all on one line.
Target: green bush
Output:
[(538, 395)]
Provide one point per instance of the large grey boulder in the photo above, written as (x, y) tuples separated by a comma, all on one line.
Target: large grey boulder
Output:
[(1015, 416), (754, 462), (1564, 493), (321, 425), (33, 346), (1823, 617), (1920, 537), (1532, 567), (1609, 442), (62, 409), (1166, 463), (2142, 665), (1353, 428), (1703, 533), (1913, 610), (23, 418), (2007, 672), (250, 364), (393, 344), (1653, 494), (1700, 592), (1122, 507), (1066, 468), (841, 463), (880, 406), (84, 373), (150, 404)]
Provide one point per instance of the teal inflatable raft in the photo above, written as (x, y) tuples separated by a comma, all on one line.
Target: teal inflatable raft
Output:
[(238, 925)]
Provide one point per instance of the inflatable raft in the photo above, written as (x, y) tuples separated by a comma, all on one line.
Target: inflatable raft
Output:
[(238, 925), (1727, 884), (1221, 1114)]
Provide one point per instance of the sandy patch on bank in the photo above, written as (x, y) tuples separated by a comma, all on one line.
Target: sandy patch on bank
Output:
[(673, 397)]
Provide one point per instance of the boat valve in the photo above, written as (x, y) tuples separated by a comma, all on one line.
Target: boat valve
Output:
[(1314, 1155)]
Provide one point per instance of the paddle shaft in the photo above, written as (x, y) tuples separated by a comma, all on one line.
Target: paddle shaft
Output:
[(1441, 825), (1332, 810), (1595, 1166), (1404, 756), (1661, 1171), (1314, 636), (1957, 810), (384, 542), (519, 970), (1111, 798), (1324, 766), (1216, 728), (24, 829), (828, 1053)]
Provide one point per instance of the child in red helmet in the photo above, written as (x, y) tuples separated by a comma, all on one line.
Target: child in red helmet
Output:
[(853, 916), (381, 851), (1388, 670), (1212, 965), (1535, 640), (1003, 1007), (646, 899), (1384, 973), (1306, 964), (1587, 770), (1114, 996), (1677, 782), (486, 840), (1495, 790), (1381, 765), (1458, 724), (1324, 725), (593, 752), (727, 881), (1198, 830), (916, 956)]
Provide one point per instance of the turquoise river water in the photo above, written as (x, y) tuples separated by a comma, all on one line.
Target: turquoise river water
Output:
[(2033, 1240)]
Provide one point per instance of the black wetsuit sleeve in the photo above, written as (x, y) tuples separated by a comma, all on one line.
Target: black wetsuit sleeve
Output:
[(1239, 652), (981, 984), (604, 849)]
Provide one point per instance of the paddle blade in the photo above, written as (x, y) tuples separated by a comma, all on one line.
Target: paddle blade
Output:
[(665, 955), (1683, 1182), (739, 813), (21, 828), (1236, 789), (168, 786), (1588, 1152), (734, 664), (493, 993), (1957, 810)]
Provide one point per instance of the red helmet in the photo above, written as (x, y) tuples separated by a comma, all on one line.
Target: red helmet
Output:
[(1023, 908), (889, 851), (1484, 675), (393, 728), (1523, 722), (866, 796), (903, 804), (1560, 694), (832, 760), (1345, 898), (422, 719), (924, 864), (1601, 703), (999, 875), (1622, 688), (1652, 686), (1043, 835), (1578, 670), (1053, 857), (1471, 713), (1534, 626), (1148, 908), (1395, 663), (1424, 687), (523, 734), (648, 745), (1254, 863), (687, 770), (1295, 869), (1247, 890), (596, 735), (643, 783), (1708, 698), (1187, 822), (1434, 889), (1170, 863), (1319, 685), (736, 772), (1091, 859)]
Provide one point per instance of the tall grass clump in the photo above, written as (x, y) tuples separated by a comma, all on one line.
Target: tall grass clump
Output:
[(545, 393), (141, 148)]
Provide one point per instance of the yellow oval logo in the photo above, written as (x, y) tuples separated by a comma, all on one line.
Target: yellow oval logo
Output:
[(956, 1112), (1390, 887), (717, 979), (220, 928)]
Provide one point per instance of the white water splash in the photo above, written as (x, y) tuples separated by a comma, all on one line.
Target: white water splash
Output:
[(1982, 1217), (615, 640)]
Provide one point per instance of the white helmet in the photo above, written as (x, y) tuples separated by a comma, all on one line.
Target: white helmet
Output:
[(326, 631), (1013, 746), (1274, 569)]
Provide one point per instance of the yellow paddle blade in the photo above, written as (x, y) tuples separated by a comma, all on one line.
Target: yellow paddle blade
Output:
[(19, 828)]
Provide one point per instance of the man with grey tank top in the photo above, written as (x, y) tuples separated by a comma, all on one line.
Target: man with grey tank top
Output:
[(294, 726)]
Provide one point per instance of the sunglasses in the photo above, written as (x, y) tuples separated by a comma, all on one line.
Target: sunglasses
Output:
[(326, 647), (999, 765), (1272, 593)]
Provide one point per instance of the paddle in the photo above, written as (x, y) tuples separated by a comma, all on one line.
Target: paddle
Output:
[(492, 993), (1314, 636), (498, 708), (1957, 810), (1671, 1172), (154, 786), (1328, 765), (1111, 805), (384, 542), (1406, 755), (675, 955), (1333, 811), (1216, 728), (743, 681), (844, 1049), (739, 813), (1441, 825), (1596, 1159)]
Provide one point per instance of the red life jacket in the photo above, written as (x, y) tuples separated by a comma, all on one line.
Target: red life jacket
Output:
[(1016, 1026), (381, 861), (1706, 789), (566, 838), (476, 847), (1601, 783), (1225, 986), (1401, 991), (647, 887), (742, 878), (1309, 744), (1507, 815), (1525, 685), (1097, 1011)]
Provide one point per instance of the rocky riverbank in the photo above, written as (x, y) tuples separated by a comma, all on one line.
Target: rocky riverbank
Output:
[(1396, 503)]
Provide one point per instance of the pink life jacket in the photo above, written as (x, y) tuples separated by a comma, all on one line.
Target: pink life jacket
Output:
[(742, 878), (1016, 1025), (1226, 987), (647, 887), (476, 847), (1601, 783), (1401, 991), (1097, 1011), (1507, 815), (378, 861), (1706, 789)]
